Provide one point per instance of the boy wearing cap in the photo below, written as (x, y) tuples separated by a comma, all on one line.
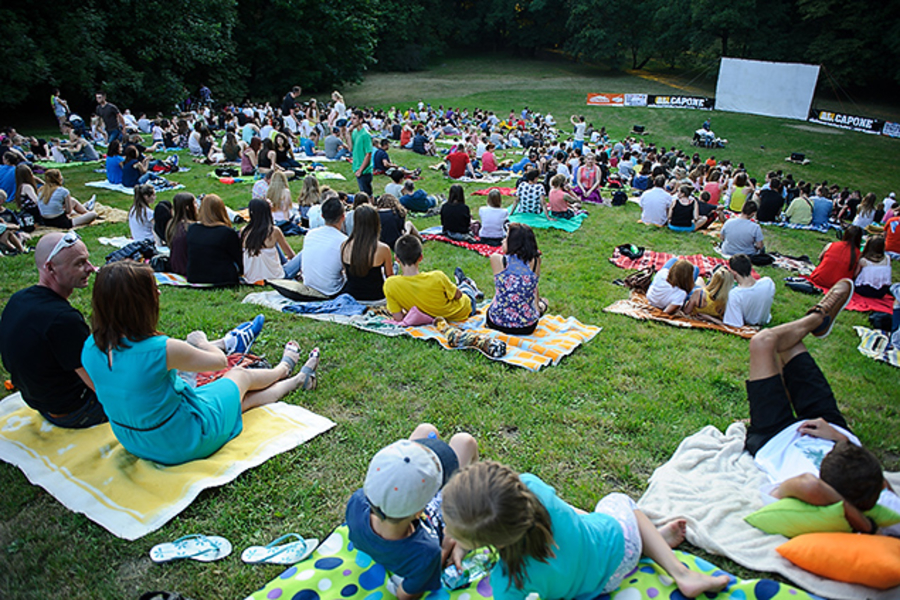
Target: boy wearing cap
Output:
[(396, 517)]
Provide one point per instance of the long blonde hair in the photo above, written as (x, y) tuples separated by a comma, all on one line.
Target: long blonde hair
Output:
[(310, 193), (487, 504), (720, 285), (276, 192), (53, 179)]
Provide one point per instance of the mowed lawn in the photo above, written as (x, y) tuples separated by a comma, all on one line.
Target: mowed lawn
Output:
[(600, 422)]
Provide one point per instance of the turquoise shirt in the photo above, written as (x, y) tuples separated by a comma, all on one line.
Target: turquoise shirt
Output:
[(154, 414), (588, 550), (362, 145)]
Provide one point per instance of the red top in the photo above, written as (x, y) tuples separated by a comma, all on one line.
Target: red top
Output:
[(892, 234), (458, 162), (835, 265), (405, 136)]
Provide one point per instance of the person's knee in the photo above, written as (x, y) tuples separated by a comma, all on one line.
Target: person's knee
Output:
[(466, 448), (763, 342), (424, 430)]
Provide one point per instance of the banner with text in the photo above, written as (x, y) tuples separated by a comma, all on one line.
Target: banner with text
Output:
[(864, 124), (606, 99), (695, 102), (891, 129)]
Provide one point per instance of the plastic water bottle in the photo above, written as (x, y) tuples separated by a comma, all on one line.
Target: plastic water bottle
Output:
[(474, 566)]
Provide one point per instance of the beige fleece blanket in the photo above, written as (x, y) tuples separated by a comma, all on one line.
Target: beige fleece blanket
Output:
[(714, 484)]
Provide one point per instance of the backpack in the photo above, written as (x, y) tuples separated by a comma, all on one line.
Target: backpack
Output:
[(619, 198), (631, 251), (138, 251), (640, 281)]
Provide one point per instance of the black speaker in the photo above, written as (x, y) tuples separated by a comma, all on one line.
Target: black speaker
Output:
[(798, 156), (638, 129)]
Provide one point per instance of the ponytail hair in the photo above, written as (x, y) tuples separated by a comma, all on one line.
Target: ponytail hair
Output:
[(487, 504)]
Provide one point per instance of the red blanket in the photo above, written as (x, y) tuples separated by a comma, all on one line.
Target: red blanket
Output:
[(706, 264), (504, 191), (482, 249), (863, 304)]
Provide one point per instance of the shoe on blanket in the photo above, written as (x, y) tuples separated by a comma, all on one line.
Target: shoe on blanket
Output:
[(240, 339), (90, 203), (461, 278), (831, 305)]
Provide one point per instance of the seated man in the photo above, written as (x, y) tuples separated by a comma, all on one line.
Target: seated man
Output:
[(415, 200), (750, 302), (459, 163), (41, 336), (321, 256), (655, 203), (771, 201), (432, 293), (334, 147), (822, 207), (742, 235), (382, 165), (797, 434)]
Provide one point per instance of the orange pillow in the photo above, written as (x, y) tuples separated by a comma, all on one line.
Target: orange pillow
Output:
[(872, 560)]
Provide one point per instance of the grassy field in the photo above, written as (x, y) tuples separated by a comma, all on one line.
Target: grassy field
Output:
[(599, 422)]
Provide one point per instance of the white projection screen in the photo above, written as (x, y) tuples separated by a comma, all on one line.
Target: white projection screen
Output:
[(766, 88)]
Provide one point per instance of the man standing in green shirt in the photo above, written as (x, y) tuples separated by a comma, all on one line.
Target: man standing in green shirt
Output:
[(361, 146)]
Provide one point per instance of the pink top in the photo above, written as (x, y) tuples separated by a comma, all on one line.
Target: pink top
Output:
[(557, 200), (488, 162), (714, 191), (586, 177)]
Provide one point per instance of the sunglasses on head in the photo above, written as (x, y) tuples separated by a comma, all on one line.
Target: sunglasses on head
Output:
[(65, 241)]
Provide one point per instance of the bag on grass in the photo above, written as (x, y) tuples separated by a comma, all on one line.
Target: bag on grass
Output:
[(631, 251), (762, 259), (619, 198), (640, 281), (139, 250)]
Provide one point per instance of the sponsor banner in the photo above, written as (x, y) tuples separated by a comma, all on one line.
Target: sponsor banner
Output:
[(606, 99), (856, 123), (891, 129), (635, 99), (695, 102)]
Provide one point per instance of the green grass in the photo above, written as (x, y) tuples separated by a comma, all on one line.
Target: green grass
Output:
[(599, 422)]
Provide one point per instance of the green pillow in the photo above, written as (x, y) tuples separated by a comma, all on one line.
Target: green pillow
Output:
[(791, 517)]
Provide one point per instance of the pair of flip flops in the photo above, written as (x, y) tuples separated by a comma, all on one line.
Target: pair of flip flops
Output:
[(211, 548)]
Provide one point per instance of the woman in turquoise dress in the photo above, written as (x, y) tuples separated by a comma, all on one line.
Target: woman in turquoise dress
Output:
[(154, 414)]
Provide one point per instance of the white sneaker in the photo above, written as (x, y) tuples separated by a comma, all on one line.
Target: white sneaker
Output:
[(90, 203)]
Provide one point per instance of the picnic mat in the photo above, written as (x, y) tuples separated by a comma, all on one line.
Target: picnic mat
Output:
[(49, 164), (863, 304), (89, 472), (656, 260), (176, 280), (504, 191), (436, 234), (542, 222), (555, 337), (118, 187), (874, 344), (714, 484), (637, 307), (338, 571), (105, 214), (822, 229), (243, 179)]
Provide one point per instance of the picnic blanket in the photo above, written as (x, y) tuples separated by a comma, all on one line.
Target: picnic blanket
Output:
[(118, 187), (436, 234), (821, 229), (874, 344), (105, 214), (863, 304), (714, 484), (656, 260), (338, 571), (637, 307), (176, 280), (240, 180), (801, 265), (555, 337), (49, 164), (303, 157), (89, 472), (504, 191), (329, 175), (486, 178), (541, 222)]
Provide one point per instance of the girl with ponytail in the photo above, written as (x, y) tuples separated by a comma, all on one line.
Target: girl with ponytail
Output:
[(551, 548)]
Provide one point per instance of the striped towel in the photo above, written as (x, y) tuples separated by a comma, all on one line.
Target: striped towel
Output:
[(874, 344), (656, 260), (637, 307)]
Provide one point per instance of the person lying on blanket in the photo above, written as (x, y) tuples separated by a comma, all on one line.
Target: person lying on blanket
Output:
[(672, 285), (153, 412), (404, 532), (554, 550), (750, 302), (432, 293), (797, 434)]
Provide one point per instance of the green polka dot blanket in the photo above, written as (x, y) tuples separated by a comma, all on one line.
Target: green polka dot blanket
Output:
[(337, 571)]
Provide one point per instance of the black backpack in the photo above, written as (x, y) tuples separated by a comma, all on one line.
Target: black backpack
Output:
[(138, 251), (619, 198)]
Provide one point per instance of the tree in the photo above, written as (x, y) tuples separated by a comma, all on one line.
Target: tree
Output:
[(612, 31)]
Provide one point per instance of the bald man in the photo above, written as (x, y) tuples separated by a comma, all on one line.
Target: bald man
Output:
[(41, 336)]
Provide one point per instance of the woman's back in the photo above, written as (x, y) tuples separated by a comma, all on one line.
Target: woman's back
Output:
[(683, 213), (835, 265), (515, 303), (214, 254), (456, 217), (392, 226)]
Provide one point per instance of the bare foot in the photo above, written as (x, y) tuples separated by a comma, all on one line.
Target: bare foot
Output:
[(674, 532), (692, 584)]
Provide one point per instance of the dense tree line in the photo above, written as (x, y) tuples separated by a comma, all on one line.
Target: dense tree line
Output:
[(154, 52)]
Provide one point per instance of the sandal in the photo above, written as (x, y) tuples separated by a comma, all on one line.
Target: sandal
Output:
[(310, 383), (285, 554), (291, 355), (196, 547)]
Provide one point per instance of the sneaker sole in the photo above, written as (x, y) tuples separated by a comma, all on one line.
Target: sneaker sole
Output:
[(831, 325)]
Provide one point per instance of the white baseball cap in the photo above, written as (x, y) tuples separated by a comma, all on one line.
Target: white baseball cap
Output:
[(403, 478), (892, 195)]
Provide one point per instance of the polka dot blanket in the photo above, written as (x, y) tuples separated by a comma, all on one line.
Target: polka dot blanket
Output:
[(337, 571)]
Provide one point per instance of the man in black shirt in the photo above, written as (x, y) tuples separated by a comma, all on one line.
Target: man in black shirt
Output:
[(112, 118), (289, 104), (771, 201), (41, 336)]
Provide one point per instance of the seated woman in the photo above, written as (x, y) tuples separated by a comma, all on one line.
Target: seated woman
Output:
[(135, 171), (213, 248), (393, 220), (58, 207), (672, 285), (684, 212), (865, 214), (140, 216), (494, 219), (249, 155), (517, 305), (742, 191), (456, 217), (265, 246), (588, 178), (873, 273), (184, 214), (708, 302), (284, 155), (838, 260), (114, 160), (310, 195), (563, 205), (530, 196), (154, 414), (367, 261), (26, 197), (231, 148)]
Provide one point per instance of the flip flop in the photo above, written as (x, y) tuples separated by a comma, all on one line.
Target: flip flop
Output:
[(285, 554), (310, 381), (196, 547)]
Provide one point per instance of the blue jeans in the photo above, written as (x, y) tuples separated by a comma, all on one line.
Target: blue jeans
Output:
[(90, 414), (115, 134), (674, 259), (341, 154), (365, 183)]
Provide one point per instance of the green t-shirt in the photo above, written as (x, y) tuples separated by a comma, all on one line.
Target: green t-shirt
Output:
[(362, 145)]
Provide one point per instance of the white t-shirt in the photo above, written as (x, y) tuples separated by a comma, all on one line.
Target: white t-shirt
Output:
[(141, 231), (394, 189), (493, 221), (321, 260), (194, 143), (579, 131), (655, 204), (314, 215), (750, 305), (563, 169), (663, 294)]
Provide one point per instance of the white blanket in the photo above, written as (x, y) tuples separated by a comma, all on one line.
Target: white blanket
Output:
[(118, 187), (714, 484)]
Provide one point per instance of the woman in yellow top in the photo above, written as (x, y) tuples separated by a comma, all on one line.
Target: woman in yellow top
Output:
[(741, 192), (708, 303)]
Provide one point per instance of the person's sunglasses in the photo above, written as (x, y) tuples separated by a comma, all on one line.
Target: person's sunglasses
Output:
[(65, 241)]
